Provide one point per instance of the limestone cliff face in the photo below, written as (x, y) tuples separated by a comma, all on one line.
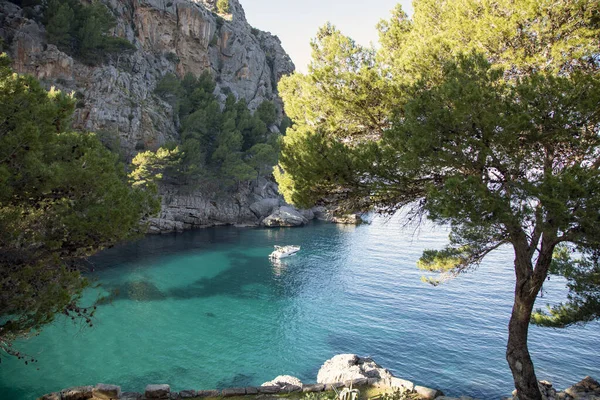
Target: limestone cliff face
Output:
[(116, 99)]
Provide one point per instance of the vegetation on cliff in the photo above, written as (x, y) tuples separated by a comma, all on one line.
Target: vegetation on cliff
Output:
[(63, 197), (481, 116), (83, 30), (223, 6), (230, 146), (79, 29)]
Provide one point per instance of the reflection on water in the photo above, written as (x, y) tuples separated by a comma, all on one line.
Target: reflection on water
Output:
[(208, 309)]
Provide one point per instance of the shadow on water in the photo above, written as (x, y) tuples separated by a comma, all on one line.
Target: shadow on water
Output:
[(132, 381), (232, 282), (153, 246), (238, 380), (236, 281), (7, 392)]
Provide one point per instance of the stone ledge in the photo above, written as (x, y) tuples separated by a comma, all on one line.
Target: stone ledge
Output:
[(587, 389)]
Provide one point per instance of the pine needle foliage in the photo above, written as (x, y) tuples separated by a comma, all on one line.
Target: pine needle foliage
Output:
[(63, 197), (480, 115)]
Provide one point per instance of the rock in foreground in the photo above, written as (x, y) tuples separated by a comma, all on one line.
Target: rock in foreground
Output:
[(286, 383), (348, 367), (285, 216)]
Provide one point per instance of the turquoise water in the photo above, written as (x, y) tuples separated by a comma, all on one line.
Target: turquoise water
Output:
[(206, 309)]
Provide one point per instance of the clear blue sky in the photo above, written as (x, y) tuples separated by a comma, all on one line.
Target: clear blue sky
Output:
[(296, 21)]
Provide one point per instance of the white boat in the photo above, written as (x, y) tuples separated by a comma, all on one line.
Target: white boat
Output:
[(284, 251)]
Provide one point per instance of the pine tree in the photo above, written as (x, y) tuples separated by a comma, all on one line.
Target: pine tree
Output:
[(60, 25), (63, 197), (479, 115)]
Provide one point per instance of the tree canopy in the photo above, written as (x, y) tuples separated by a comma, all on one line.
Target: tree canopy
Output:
[(63, 197), (83, 30), (230, 144), (480, 115)]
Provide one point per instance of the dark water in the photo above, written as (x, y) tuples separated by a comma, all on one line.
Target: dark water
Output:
[(206, 309)]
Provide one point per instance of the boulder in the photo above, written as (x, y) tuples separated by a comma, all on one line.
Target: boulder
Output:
[(428, 393), (548, 392), (398, 383), (157, 391), (265, 207), (268, 389), (347, 367), (103, 391), (586, 389), (187, 394), (208, 393), (77, 393), (286, 383), (231, 392), (284, 216), (251, 390)]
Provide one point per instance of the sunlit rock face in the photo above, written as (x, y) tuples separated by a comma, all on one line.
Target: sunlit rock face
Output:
[(116, 98), (347, 367)]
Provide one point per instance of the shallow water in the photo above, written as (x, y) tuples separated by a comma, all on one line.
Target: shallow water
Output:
[(206, 309)]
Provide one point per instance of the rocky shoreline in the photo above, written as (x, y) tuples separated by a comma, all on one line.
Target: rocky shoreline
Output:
[(258, 204), (341, 371)]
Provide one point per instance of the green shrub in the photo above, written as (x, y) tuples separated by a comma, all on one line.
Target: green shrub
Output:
[(229, 144), (223, 6), (83, 30)]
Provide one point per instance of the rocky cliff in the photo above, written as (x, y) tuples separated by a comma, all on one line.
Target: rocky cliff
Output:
[(116, 99)]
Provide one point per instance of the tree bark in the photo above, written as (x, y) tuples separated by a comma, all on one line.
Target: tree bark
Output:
[(517, 352)]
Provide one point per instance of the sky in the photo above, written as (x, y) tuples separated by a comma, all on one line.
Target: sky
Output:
[(296, 21)]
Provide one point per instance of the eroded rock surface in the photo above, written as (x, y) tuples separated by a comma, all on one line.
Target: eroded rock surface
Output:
[(347, 367), (180, 36), (254, 205), (286, 383), (587, 389)]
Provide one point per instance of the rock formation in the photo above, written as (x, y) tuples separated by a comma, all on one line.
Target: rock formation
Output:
[(347, 367), (116, 99), (254, 205), (286, 383), (343, 370), (179, 36)]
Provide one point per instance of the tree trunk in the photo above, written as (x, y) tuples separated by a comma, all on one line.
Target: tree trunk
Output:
[(517, 353)]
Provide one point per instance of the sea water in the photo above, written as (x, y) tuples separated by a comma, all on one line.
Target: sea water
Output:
[(207, 309)]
